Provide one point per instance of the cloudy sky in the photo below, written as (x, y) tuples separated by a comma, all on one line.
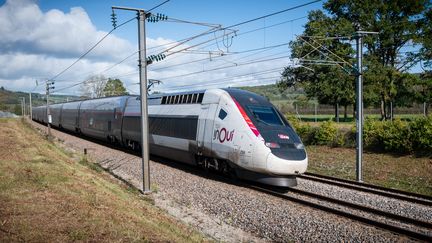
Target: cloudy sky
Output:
[(40, 39)]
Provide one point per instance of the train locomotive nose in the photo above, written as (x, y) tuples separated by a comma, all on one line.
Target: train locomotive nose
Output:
[(281, 166)]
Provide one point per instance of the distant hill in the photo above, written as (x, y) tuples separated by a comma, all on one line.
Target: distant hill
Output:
[(273, 93), (11, 100)]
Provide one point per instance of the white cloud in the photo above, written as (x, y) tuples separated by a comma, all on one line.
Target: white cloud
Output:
[(40, 46), (25, 28)]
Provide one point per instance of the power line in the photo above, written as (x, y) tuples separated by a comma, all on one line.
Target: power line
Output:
[(216, 81), (272, 14), (219, 68), (215, 84), (248, 21), (89, 50)]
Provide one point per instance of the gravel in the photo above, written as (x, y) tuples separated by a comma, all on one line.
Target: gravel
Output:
[(407, 209), (226, 212)]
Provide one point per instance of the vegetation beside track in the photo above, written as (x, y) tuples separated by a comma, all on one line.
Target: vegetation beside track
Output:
[(402, 137), (51, 195), (402, 172)]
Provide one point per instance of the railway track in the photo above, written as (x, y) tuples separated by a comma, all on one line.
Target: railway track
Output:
[(369, 188), (414, 228), (356, 212)]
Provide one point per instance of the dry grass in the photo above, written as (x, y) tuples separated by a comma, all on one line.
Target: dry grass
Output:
[(400, 172), (47, 196)]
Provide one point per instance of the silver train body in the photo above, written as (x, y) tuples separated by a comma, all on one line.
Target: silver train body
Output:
[(229, 130)]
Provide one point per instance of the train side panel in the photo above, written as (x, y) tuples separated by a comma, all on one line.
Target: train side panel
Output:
[(69, 117), (172, 127), (102, 118), (55, 111)]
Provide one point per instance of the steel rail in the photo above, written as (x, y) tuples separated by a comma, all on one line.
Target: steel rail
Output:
[(365, 187), (386, 226)]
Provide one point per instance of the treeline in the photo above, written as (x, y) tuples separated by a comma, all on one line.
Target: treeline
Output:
[(325, 54)]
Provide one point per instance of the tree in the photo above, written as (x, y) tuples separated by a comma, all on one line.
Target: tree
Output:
[(425, 39), (422, 89), (114, 87), (328, 84), (398, 22), (93, 86)]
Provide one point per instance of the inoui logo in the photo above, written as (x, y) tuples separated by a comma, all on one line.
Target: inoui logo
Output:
[(223, 135)]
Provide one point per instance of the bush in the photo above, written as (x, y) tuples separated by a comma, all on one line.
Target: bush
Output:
[(304, 130), (421, 135), (326, 134), (391, 136)]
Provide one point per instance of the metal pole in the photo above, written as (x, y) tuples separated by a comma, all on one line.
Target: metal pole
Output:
[(48, 110), (337, 111), (142, 62), (315, 104), (391, 110), (22, 108), (359, 107), (30, 108), (24, 105)]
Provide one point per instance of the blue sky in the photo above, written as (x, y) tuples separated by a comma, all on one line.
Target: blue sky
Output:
[(43, 37), (222, 12)]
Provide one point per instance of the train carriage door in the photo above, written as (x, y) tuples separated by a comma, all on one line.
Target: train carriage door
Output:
[(205, 130), (201, 127)]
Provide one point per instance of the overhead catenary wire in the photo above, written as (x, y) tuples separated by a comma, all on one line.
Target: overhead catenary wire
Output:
[(230, 78), (203, 34), (196, 86), (91, 48), (255, 19), (220, 68)]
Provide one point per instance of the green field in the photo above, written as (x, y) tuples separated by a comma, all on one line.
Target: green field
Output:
[(402, 172)]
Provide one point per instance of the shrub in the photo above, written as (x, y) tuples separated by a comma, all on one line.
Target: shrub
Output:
[(391, 136), (421, 135), (396, 136), (326, 134), (304, 130)]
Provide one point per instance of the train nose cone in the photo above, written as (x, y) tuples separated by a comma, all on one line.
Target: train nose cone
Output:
[(281, 166)]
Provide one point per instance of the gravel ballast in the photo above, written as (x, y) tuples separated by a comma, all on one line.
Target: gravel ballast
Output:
[(226, 212)]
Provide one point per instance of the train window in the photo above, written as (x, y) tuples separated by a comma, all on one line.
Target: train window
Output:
[(164, 100), (222, 114), (266, 115), (171, 99), (183, 100), (200, 97), (194, 98)]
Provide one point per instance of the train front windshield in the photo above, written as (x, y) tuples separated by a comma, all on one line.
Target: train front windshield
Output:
[(266, 115)]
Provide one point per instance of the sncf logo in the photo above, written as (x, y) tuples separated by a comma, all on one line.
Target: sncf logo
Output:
[(223, 135)]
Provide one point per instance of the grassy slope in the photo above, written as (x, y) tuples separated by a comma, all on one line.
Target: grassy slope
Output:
[(46, 195), (401, 172)]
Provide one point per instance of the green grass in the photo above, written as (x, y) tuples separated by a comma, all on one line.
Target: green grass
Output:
[(407, 173), (45, 196), (321, 118)]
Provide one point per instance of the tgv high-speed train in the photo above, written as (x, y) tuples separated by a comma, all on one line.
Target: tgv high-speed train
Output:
[(229, 130)]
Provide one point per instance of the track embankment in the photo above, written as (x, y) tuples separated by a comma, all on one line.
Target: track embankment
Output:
[(227, 211), (48, 194)]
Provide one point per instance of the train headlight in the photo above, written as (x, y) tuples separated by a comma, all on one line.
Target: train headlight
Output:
[(299, 145), (272, 145)]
